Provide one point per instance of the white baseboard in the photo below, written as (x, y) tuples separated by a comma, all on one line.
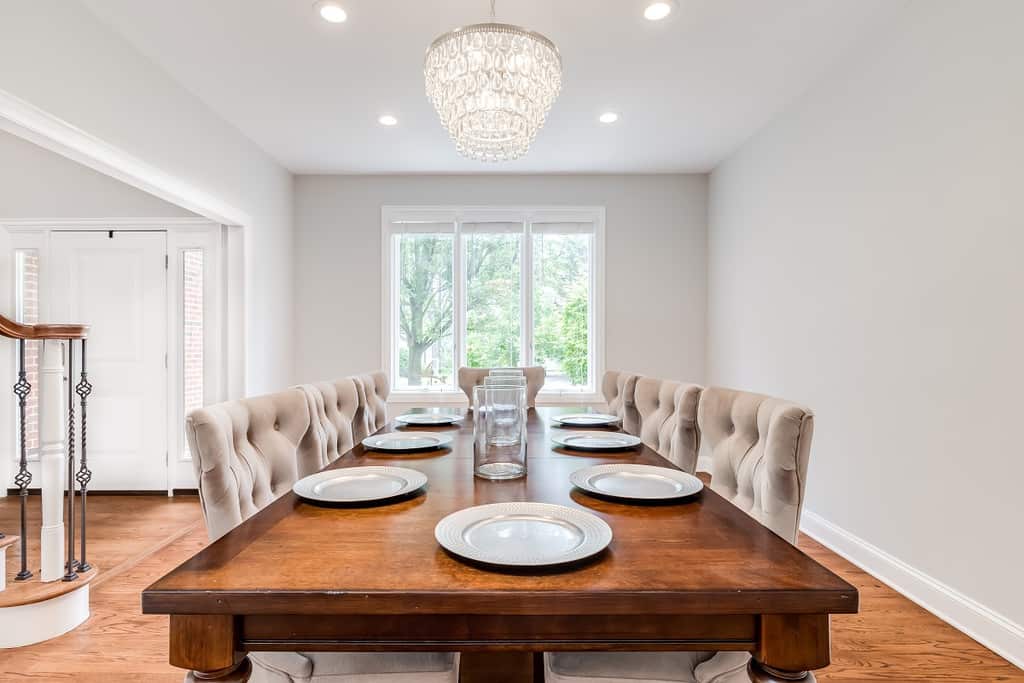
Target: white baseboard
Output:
[(992, 630)]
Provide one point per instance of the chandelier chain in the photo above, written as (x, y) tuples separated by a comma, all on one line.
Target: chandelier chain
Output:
[(492, 9)]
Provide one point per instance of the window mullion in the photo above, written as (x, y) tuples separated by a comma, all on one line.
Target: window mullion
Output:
[(526, 292), (459, 283), (395, 296)]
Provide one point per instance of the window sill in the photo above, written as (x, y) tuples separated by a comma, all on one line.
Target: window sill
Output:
[(430, 397), (458, 398)]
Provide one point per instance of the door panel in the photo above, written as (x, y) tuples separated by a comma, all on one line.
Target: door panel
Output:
[(118, 285)]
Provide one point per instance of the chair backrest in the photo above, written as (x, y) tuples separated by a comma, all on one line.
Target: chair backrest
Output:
[(471, 377), (335, 407), (618, 389), (668, 419), (374, 390), (248, 452), (759, 451)]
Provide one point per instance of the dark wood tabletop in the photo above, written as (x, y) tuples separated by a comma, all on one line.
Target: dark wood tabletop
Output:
[(699, 574)]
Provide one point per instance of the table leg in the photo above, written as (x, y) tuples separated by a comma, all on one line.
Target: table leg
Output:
[(789, 646), (760, 673), (205, 644)]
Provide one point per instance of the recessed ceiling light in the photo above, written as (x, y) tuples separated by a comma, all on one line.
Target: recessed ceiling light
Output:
[(608, 117), (656, 11), (387, 120), (331, 11)]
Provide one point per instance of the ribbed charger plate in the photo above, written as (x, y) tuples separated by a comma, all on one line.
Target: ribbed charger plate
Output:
[(523, 534), (636, 482)]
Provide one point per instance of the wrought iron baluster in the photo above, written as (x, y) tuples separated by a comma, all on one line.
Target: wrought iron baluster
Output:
[(22, 389), (84, 475), (70, 574)]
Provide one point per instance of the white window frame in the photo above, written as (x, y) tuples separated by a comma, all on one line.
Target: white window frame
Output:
[(209, 240), (457, 216)]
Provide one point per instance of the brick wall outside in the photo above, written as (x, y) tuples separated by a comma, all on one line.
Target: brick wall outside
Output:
[(192, 342), (28, 272)]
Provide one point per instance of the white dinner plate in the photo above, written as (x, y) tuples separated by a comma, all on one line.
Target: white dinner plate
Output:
[(359, 484), (636, 482), (427, 419), (523, 534), (407, 441), (586, 419), (595, 441)]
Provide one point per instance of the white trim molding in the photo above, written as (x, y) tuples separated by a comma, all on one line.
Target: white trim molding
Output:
[(989, 628), (46, 130)]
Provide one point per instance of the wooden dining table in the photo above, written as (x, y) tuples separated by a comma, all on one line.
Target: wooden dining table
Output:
[(699, 574)]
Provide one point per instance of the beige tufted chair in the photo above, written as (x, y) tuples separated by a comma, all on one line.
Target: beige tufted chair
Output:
[(373, 390), (668, 419), (618, 389), (334, 406), (246, 454), (471, 377), (759, 451)]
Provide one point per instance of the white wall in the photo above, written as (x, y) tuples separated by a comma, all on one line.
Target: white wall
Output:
[(57, 56), (655, 262), (36, 183), (865, 258)]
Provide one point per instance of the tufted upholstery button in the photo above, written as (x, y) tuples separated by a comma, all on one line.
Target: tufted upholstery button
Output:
[(277, 426)]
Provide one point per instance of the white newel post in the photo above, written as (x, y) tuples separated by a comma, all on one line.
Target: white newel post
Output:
[(52, 405)]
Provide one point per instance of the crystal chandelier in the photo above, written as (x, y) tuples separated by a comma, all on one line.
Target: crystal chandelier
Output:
[(492, 85)]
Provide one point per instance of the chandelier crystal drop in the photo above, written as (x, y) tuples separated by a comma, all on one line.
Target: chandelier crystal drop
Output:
[(492, 85)]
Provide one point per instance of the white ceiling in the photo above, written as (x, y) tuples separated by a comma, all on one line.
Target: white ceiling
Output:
[(689, 90)]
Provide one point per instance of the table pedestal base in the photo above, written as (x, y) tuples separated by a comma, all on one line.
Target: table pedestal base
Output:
[(762, 673), (239, 673)]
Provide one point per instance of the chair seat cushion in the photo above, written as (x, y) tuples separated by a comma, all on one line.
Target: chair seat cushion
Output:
[(358, 666), (623, 667), (645, 667)]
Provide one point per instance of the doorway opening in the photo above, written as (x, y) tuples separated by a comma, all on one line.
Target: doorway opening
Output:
[(155, 299)]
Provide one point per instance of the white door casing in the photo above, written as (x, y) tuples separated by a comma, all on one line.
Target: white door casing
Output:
[(117, 283)]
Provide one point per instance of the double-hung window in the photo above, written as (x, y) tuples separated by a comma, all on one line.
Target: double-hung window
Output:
[(493, 287)]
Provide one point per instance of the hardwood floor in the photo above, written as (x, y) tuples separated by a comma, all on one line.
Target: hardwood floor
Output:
[(133, 540), (136, 539), (893, 639)]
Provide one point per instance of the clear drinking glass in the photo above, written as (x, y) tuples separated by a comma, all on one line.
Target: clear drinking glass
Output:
[(499, 431)]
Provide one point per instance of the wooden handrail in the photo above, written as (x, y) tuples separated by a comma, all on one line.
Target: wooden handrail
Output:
[(15, 330)]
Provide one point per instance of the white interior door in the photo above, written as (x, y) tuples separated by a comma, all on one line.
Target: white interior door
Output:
[(117, 283)]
